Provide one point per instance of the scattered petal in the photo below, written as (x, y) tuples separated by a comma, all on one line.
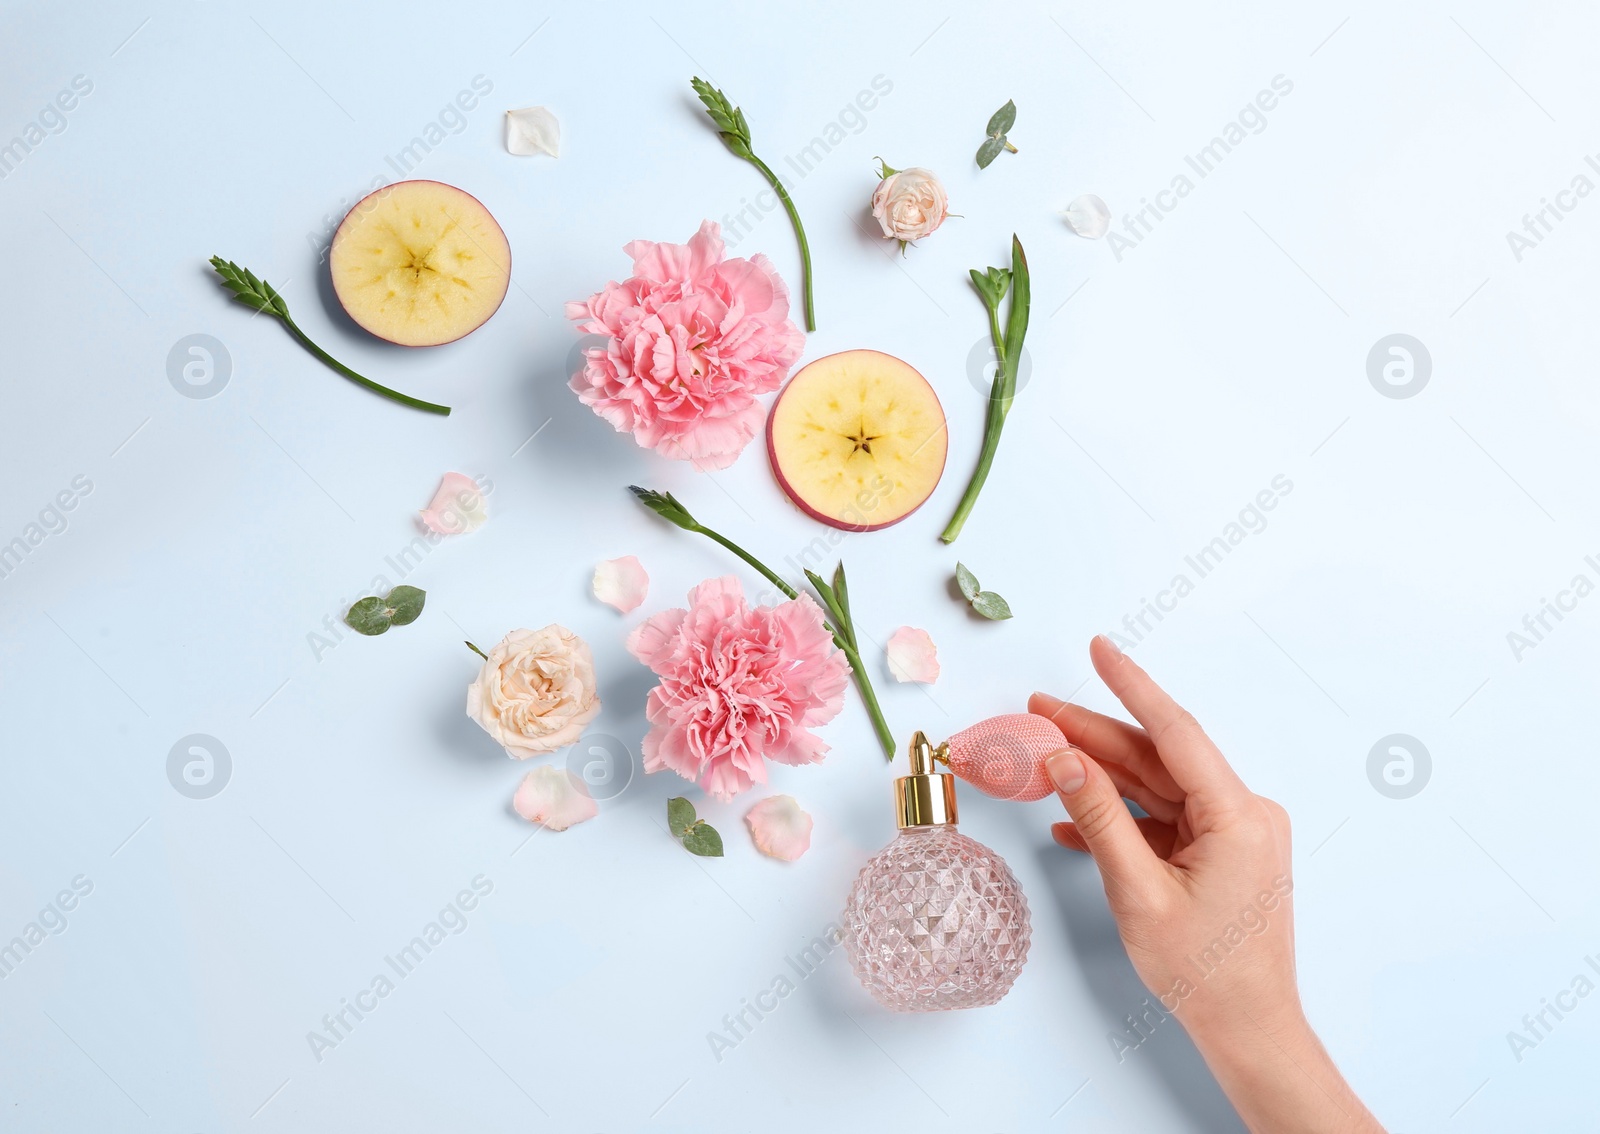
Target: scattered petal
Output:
[(780, 829), (1088, 216), (621, 583), (532, 130), (553, 798), (458, 507), (913, 656)]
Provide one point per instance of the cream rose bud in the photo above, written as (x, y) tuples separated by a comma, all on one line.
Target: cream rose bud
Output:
[(910, 204), (536, 691)]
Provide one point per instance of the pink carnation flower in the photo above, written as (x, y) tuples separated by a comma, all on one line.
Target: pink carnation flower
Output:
[(739, 686), (694, 339)]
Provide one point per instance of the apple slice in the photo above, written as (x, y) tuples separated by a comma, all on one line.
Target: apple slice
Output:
[(420, 263), (857, 440)]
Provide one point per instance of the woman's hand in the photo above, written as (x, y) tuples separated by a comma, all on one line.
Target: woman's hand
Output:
[(1202, 894)]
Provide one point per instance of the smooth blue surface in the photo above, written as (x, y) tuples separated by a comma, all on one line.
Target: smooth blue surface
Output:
[(1173, 379)]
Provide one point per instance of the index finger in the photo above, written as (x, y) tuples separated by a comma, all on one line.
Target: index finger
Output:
[(1185, 749)]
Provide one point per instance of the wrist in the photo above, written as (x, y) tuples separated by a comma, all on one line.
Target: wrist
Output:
[(1278, 1075)]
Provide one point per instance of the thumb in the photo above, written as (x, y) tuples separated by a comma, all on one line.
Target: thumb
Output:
[(1102, 820)]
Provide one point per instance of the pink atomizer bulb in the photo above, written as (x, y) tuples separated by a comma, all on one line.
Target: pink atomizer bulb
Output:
[(1004, 756)]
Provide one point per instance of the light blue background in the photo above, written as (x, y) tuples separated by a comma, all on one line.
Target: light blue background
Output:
[(1168, 388)]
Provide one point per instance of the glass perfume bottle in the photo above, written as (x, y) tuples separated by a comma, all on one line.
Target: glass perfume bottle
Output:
[(935, 920)]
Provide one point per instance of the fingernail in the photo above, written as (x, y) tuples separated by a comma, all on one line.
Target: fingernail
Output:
[(1110, 645), (1066, 770)]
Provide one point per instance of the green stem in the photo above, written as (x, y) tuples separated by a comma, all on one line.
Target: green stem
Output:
[(477, 651), (999, 405), (843, 640), (800, 233), (1008, 349), (870, 699), (334, 363), (754, 562)]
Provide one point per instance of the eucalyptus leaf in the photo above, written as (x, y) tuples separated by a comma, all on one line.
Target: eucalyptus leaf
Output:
[(989, 151), (680, 816), (967, 581), (991, 605), (1003, 119), (373, 615), (703, 840), (368, 616), (405, 605)]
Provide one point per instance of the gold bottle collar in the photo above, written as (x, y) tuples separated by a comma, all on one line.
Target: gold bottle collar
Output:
[(925, 798)]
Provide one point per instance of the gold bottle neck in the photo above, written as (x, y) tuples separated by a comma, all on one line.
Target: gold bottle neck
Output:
[(925, 798)]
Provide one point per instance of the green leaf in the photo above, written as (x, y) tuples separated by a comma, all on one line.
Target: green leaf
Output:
[(841, 593), (991, 605), (967, 581), (680, 816), (405, 604), (1002, 121), (373, 615), (703, 840), (992, 285), (1017, 317), (989, 151), (824, 591), (885, 170), (368, 616)]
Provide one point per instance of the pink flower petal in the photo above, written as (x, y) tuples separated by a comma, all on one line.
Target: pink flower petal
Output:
[(694, 341), (912, 656), (740, 685), (621, 583), (553, 798), (780, 829), (459, 506)]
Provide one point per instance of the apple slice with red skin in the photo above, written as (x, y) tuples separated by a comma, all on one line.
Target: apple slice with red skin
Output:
[(420, 263), (857, 440)]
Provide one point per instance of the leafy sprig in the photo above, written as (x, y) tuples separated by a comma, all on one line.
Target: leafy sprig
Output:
[(696, 835), (258, 295), (835, 600), (1000, 124), (373, 615), (986, 603), (735, 133), (992, 286)]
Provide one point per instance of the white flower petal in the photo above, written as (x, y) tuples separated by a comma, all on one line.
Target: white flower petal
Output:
[(532, 130), (780, 829), (621, 583), (459, 506), (912, 656), (1088, 216), (554, 798)]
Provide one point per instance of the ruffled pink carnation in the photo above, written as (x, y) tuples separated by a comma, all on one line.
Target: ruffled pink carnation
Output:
[(739, 686), (694, 339)]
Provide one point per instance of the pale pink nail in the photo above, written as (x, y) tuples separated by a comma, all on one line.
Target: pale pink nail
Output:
[(1066, 770)]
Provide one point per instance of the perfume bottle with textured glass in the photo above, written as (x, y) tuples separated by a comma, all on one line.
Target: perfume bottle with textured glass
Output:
[(935, 920)]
